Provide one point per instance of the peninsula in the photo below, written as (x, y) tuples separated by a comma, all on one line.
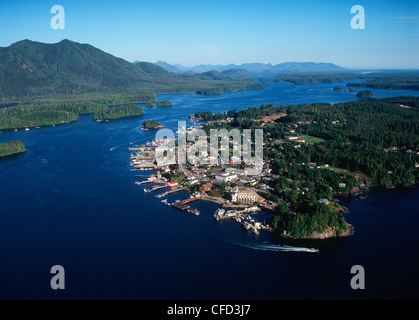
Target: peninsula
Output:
[(313, 155), (118, 113), (11, 148)]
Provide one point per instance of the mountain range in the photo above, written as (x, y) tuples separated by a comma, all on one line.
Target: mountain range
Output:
[(255, 68), (33, 69)]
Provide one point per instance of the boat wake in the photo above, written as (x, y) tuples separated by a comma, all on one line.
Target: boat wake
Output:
[(121, 145), (273, 247)]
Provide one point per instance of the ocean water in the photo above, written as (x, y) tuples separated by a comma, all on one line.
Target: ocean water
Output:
[(71, 200)]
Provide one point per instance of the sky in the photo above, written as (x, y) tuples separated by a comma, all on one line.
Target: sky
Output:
[(229, 31)]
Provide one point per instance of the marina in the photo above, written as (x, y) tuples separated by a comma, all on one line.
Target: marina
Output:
[(143, 159), (243, 217)]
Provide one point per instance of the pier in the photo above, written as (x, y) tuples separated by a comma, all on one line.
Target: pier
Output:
[(181, 206), (170, 191), (155, 188)]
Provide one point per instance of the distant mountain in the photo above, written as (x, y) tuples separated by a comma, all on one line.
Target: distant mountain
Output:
[(256, 68), (29, 68), (289, 67), (237, 72), (215, 75), (170, 67), (34, 69)]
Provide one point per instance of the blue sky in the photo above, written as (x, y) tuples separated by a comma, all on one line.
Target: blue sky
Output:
[(229, 31)]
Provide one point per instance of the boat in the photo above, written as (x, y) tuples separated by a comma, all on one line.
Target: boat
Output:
[(246, 225), (195, 212), (219, 213)]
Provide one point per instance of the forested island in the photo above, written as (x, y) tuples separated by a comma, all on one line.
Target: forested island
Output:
[(118, 113), (319, 152), (151, 125), (309, 78), (164, 103), (209, 92), (365, 94), (11, 148), (395, 81), (374, 80), (54, 111)]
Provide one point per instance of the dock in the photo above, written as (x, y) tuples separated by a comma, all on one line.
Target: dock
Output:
[(170, 191), (155, 188), (181, 206)]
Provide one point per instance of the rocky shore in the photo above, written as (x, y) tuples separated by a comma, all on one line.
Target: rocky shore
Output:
[(326, 234)]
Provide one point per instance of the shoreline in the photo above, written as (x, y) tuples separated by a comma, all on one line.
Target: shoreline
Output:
[(12, 154)]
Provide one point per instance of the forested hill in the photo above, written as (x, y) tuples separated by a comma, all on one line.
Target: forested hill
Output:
[(30, 68), (34, 69)]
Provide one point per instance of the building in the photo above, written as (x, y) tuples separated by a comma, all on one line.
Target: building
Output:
[(247, 196), (226, 176), (342, 185), (237, 171), (324, 201), (290, 138), (294, 139), (205, 187), (172, 184), (199, 171)]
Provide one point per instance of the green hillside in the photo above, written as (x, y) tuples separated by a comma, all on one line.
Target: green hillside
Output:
[(31, 69)]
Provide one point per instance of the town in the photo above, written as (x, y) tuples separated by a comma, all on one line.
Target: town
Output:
[(238, 189)]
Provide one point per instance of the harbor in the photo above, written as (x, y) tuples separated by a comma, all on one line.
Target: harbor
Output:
[(243, 217), (182, 205), (180, 178)]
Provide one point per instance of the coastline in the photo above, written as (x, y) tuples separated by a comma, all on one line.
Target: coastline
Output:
[(12, 154), (11, 148), (329, 233)]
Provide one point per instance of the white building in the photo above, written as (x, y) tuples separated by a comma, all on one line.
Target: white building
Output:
[(226, 176), (243, 197), (247, 196)]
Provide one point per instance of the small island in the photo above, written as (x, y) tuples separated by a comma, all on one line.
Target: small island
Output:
[(210, 91), (365, 94), (337, 89), (118, 113), (351, 90), (11, 148), (151, 125), (164, 103)]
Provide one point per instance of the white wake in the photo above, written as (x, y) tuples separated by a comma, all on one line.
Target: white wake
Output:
[(273, 247)]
